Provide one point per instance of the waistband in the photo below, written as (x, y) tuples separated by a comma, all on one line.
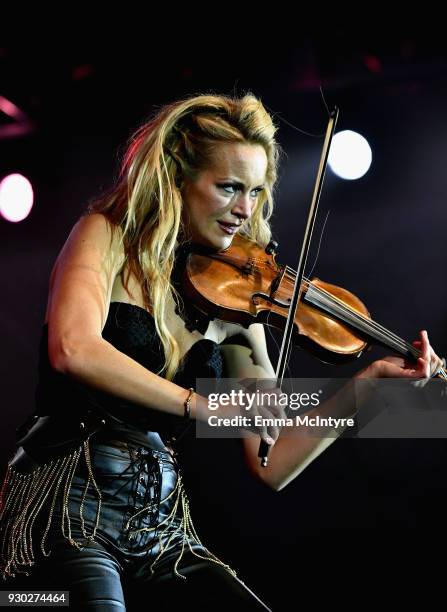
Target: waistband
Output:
[(50, 490), (132, 448), (147, 439)]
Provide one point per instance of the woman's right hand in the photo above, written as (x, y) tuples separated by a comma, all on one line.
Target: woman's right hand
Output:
[(259, 414)]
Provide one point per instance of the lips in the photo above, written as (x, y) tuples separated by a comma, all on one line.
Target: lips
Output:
[(228, 228)]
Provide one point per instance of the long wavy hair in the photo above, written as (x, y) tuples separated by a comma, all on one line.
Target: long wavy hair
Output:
[(145, 204)]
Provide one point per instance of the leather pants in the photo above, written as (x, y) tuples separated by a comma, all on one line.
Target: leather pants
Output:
[(144, 550)]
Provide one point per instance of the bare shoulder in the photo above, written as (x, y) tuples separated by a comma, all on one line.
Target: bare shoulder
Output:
[(97, 231), (81, 283)]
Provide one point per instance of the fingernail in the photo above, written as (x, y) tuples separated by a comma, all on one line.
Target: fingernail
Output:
[(270, 441)]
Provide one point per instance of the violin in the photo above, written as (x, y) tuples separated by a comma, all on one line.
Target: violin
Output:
[(244, 284)]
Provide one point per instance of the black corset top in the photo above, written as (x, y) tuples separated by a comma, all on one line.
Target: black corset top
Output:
[(131, 329)]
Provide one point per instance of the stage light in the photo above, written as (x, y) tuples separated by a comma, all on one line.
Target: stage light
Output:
[(16, 197), (350, 155)]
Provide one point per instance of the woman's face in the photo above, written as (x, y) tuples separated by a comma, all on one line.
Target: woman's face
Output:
[(224, 195)]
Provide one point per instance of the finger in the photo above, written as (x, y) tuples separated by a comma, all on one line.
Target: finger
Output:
[(263, 431), (423, 367), (435, 362), (393, 370), (427, 365), (424, 360), (399, 361), (273, 432), (277, 411), (425, 345)]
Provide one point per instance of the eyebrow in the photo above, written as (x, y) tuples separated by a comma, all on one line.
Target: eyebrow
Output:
[(241, 184)]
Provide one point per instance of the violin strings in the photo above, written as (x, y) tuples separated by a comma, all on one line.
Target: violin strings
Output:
[(349, 311), (441, 372), (368, 324), (398, 342), (361, 320), (352, 317), (365, 324), (381, 332)]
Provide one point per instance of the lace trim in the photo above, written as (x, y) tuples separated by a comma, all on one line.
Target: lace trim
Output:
[(23, 495)]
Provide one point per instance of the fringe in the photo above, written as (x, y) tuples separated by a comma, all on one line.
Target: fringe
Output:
[(186, 527), (23, 495)]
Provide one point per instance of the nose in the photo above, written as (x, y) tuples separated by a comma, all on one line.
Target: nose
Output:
[(242, 207)]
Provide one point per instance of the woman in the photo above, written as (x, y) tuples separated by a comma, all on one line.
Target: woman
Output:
[(96, 477)]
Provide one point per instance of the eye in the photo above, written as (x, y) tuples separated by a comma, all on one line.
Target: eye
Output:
[(228, 187), (232, 188)]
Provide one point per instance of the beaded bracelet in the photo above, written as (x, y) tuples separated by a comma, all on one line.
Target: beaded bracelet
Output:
[(187, 404)]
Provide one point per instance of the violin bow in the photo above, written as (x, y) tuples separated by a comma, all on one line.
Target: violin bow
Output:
[(264, 448)]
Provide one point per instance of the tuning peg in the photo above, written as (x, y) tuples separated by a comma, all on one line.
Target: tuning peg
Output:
[(272, 247)]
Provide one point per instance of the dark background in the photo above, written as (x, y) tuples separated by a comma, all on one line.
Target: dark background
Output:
[(384, 240)]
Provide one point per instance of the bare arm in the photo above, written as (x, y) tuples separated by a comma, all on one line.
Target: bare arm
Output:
[(79, 298), (99, 364), (290, 455)]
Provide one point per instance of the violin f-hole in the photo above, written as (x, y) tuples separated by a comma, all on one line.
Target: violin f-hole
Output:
[(269, 298)]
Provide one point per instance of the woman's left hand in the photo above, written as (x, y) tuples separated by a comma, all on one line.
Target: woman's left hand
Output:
[(425, 366), (398, 367), (429, 362)]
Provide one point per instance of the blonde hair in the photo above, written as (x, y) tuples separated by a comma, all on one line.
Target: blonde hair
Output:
[(146, 202)]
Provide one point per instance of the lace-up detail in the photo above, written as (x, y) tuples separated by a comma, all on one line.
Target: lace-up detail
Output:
[(176, 526), (158, 519)]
